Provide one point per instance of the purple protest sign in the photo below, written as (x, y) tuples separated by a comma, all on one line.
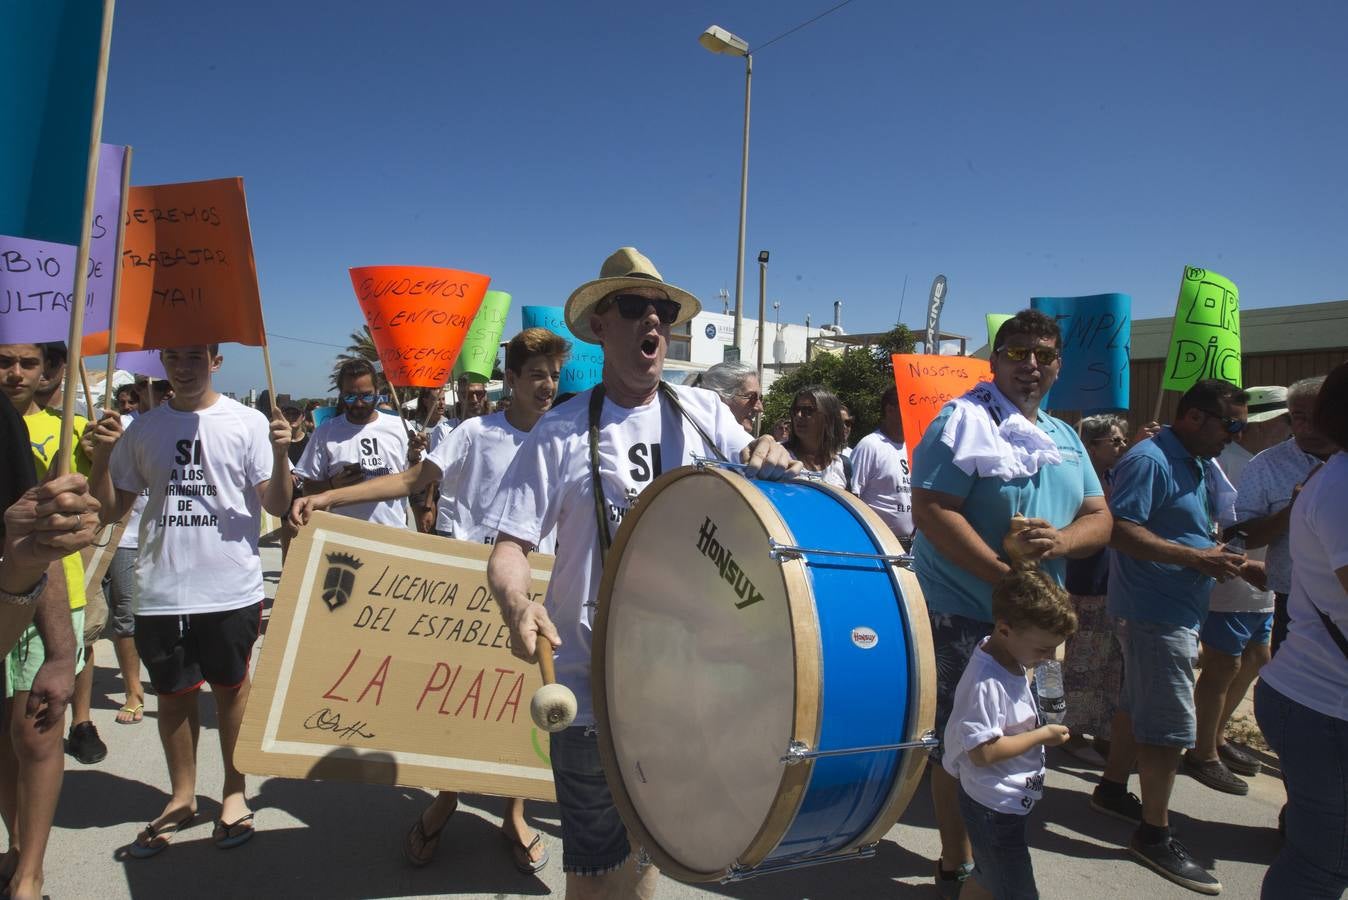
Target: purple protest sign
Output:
[(37, 277), (141, 362)]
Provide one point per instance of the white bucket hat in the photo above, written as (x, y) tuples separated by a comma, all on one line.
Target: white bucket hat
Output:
[(628, 267)]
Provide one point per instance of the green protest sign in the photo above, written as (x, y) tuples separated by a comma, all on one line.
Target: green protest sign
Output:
[(478, 356), (1205, 342), (995, 321)]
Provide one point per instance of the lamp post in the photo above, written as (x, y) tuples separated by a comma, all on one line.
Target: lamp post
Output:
[(718, 40), (762, 309)]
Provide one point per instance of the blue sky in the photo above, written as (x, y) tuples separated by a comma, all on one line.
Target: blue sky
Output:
[(1020, 149)]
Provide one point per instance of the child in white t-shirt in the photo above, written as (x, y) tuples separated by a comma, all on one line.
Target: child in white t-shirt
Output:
[(994, 740)]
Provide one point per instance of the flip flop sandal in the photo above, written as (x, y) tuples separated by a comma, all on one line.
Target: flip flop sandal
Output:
[(135, 713), (428, 840), (225, 836), (522, 854), (152, 841)]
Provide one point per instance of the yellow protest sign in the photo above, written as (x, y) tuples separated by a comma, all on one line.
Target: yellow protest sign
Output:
[(386, 662)]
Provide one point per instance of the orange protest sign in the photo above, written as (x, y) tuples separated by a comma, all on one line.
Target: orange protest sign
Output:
[(927, 383), (418, 317), (188, 275)]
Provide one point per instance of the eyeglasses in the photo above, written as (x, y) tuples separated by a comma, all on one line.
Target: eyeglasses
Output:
[(1045, 356), (806, 411), (750, 398), (633, 306), (1116, 441), (349, 399), (1230, 423)]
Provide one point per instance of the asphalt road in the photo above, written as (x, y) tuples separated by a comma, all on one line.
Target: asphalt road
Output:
[(337, 840)]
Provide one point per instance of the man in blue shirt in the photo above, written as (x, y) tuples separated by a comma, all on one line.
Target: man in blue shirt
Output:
[(988, 456), (1160, 579)]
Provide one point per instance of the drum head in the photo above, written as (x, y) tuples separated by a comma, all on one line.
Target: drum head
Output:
[(706, 667)]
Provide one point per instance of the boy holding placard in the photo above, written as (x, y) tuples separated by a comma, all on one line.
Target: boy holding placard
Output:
[(211, 465), (470, 463)]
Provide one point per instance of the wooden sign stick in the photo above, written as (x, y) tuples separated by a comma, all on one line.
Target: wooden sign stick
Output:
[(75, 336), (108, 397), (88, 394)]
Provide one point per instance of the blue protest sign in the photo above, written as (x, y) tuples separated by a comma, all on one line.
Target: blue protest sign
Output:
[(1096, 333), (585, 368), (49, 65)]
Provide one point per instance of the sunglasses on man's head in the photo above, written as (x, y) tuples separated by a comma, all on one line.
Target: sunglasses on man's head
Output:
[(1230, 423), (349, 399), (1045, 356), (634, 306)]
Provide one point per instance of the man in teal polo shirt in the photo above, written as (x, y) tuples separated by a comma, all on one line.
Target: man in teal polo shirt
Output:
[(1160, 579), (990, 455)]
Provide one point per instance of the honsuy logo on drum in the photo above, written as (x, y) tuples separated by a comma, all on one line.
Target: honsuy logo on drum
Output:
[(340, 579), (724, 561)]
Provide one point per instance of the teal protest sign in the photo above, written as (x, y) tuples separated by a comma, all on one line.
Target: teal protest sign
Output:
[(585, 368), (49, 66), (1096, 334)]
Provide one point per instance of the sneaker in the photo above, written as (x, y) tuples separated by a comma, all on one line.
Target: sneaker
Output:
[(85, 745), (1239, 760), (1084, 751), (1124, 806), (1170, 860), (1215, 775)]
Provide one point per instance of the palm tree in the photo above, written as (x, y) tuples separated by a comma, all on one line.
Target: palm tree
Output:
[(362, 347)]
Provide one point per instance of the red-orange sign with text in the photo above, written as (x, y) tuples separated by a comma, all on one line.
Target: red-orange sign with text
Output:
[(927, 383)]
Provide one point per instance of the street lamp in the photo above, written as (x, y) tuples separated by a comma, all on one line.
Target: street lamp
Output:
[(718, 40), (762, 309)]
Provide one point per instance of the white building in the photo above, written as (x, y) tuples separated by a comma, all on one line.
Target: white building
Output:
[(700, 344)]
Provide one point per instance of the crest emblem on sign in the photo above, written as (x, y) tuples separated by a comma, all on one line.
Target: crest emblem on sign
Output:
[(340, 579)]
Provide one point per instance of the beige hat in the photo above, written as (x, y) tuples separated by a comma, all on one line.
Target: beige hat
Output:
[(626, 268), (1266, 403)]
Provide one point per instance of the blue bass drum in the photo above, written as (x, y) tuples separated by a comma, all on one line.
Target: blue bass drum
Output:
[(763, 675)]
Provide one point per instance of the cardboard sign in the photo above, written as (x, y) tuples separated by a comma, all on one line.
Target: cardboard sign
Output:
[(1096, 334), (1205, 342), (386, 662), (97, 557), (322, 413), (37, 278), (927, 383), (418, 317), (585, 367), (188, 275), (478, 356), (50, 67)]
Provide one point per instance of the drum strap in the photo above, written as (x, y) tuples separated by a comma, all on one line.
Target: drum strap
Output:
[(597, 407)]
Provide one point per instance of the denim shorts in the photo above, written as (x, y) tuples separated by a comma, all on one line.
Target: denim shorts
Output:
[(1158, 683), (955, 638), (119, 586), (594, 839), (1231, 632), (1001, 856)]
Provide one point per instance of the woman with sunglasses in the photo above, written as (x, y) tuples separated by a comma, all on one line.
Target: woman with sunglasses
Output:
[(736, 383), (817, 435)]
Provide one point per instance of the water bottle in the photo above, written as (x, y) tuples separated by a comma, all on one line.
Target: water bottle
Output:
[(1048, 685)]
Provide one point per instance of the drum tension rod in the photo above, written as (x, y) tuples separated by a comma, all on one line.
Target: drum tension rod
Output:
[(783, 552), (799, 751), (743, 873)]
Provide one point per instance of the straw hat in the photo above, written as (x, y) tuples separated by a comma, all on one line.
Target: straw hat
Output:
[(1266, 403), (626, 268)]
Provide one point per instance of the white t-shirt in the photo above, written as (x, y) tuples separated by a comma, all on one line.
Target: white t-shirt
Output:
[(472, 461), (380, 446), (131, 534), (1237, 594), (199, 531), (991, 702), (881, 479), (548, 489), (1309, 668), (439, 432), (1265, 486), (835, 473)]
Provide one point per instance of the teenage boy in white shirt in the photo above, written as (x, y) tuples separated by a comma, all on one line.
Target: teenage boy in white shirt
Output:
[(211, 465), (360, 445), (880, 470), (469, 465)]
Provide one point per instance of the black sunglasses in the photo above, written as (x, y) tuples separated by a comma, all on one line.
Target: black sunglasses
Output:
[(1230, 423), (634, 306)]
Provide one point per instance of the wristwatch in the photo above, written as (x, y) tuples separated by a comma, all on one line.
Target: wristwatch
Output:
[(25, 599)]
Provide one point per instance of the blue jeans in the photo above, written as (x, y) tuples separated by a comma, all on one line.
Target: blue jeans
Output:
[(1001, 856), (1158, 683), (1313, 749), (594, 839)]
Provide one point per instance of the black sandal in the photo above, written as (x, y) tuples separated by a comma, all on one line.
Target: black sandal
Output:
[(429, 840)]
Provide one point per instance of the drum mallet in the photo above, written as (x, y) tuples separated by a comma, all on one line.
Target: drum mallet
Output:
[(553, 707)]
